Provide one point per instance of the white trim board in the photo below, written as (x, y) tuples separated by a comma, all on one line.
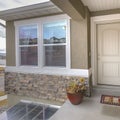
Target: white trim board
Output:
[(3, 97), (94, 22), (54, 71)]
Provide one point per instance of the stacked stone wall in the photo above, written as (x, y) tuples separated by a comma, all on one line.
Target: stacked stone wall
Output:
[(41, 86), (2, 78)]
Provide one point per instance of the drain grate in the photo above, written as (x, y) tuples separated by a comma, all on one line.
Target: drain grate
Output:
[(29, 111)]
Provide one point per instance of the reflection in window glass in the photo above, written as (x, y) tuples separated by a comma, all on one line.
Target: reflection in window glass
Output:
[(28, 35), (54, 37), (2, 41), (54, 32), (2, 45), (2, 32), (55, 56), (46, 46), (28, 45), (29, 55)]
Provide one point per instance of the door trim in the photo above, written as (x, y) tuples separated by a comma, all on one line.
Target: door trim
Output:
[(94, 22)]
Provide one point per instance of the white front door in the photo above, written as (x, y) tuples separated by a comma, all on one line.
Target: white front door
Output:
[(108, 43)]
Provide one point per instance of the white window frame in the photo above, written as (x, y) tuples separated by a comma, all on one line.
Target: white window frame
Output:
[(40, 22)]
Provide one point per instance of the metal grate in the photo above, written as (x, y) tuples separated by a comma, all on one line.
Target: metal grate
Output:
[(29, 111)]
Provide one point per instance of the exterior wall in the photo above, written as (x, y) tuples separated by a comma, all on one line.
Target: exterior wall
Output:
[(79, 43), (50, 87), (10, 44)]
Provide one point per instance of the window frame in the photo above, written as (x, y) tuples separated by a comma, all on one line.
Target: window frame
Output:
[(39, 22)]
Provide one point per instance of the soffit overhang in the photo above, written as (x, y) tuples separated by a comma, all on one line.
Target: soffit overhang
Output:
[(31, 11)]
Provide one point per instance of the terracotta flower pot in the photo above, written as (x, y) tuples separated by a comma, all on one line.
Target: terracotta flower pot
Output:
[(76, 98)]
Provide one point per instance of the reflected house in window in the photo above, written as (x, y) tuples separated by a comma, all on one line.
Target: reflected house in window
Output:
[(30, 41), (54, 40)]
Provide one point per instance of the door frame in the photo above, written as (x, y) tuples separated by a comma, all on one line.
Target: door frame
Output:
[(94, 22)]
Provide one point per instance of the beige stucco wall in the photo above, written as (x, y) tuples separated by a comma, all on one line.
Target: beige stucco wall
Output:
[(79, 35), (10, 44), (80, 43)]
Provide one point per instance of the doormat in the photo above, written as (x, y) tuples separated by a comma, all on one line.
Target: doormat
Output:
[(110, 100)]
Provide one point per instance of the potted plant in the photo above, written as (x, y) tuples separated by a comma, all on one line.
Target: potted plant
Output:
[(76, 90)]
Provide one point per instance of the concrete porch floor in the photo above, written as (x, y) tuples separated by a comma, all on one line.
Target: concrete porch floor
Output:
[(89, 109)]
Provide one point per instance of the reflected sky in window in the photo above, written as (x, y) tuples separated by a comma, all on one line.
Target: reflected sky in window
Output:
[(29, 31), (55, 29)]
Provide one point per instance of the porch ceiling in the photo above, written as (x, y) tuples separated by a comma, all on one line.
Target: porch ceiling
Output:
[(100, 5)]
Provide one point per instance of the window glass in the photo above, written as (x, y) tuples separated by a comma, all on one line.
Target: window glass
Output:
[(29, 55), (28, 35), (2, 45), (28, 45), (54, 32), (54, 37), (2, 31), (55, 56)]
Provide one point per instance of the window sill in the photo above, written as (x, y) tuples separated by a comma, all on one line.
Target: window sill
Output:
[(51, 71)]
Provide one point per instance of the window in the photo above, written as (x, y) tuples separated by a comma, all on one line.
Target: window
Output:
[(28, 45), (43, 42), (54, 36), (2, 43)]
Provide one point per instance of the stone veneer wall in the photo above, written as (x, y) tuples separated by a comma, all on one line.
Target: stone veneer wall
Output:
[(2, 78), (50, 87)]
